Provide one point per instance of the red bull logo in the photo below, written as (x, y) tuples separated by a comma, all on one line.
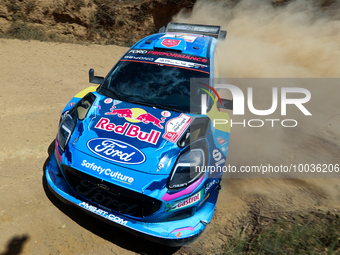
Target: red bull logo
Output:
[(121, 113), (147, 118), (137, 115), (129, 130)]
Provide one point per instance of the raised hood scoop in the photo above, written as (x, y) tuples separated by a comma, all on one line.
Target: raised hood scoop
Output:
[(138, 137)]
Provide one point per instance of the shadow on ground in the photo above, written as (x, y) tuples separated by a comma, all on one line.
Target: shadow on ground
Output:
[(15, 245)]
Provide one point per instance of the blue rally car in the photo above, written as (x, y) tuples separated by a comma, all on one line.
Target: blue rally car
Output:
[(127, 150)]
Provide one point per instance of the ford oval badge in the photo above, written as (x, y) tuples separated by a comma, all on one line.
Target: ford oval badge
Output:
[(116, 151)]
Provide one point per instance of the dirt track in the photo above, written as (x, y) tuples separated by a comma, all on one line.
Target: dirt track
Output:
[(37, 80)]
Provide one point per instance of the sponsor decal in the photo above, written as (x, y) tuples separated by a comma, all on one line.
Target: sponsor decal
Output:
[(186, 203), (209, 185), (104, 214), (108, 101), (175, 127), (217, 155), (179, 63), (170, 43), (137, 115), (107, 199), (116, 175), (129, 130), (139, 58), (121, 113), (116, 151), (166, 114), (220, 140), (147, 118), (206, 29), (177, 55), (137, 51)]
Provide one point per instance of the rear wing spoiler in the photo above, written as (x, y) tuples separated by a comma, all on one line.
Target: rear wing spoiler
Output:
[(212, 31)]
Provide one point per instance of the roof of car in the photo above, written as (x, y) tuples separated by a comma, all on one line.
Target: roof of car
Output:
[(185, 43)]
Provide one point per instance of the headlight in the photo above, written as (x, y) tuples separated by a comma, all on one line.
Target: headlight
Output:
[(187, 169), (66, 129)]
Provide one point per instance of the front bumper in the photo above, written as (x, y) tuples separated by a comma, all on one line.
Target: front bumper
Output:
[(170, 233)]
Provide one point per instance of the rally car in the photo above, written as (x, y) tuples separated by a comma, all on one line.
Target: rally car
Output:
[(133, 150)]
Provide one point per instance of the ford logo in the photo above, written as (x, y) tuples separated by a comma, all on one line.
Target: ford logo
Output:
[(116, 151)]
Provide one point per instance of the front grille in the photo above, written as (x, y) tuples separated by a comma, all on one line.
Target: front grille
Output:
[(110, 196)]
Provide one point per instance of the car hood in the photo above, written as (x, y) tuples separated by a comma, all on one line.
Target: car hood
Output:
[(133, 136)]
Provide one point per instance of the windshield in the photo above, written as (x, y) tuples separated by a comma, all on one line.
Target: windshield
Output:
[(157, 85)]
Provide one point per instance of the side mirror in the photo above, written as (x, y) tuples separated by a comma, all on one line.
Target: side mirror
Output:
[(222, 34), (226, 103), (95, 79)]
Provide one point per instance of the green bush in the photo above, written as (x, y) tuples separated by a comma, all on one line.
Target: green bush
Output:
[(30, 6), (105, 16), (25, 32)]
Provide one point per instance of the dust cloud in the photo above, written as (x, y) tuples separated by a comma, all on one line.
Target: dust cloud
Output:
[(298, 40)]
